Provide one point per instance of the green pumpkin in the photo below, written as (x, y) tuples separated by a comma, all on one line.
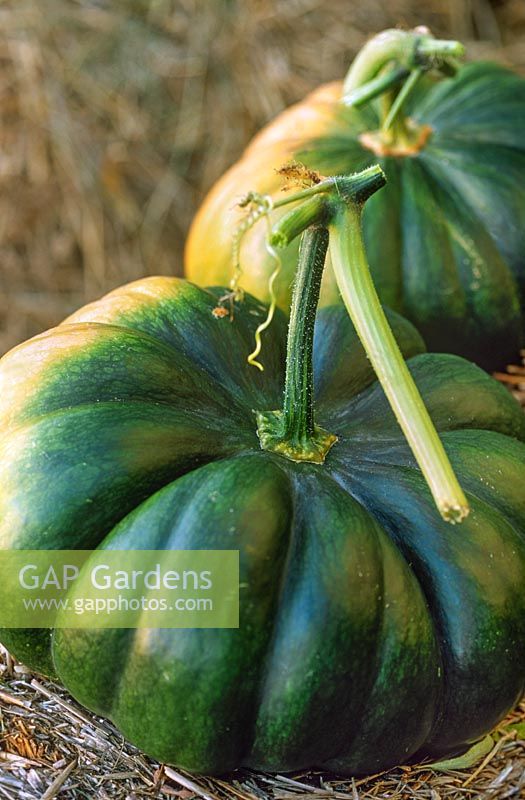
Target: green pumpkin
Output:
[(453, 256), (445, 239), (370, 629)]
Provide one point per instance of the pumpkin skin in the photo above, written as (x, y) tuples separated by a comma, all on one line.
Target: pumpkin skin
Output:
[(370, 630), (446, 237)]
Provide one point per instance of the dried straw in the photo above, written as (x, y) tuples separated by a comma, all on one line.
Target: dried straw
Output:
[(116, 117), (51, 747), (514, 379)]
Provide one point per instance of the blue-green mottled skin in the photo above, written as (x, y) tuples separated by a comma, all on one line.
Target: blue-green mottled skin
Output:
[(370, 630)]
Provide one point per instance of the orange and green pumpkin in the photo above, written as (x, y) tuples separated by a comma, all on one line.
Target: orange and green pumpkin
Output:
[(446, 238)]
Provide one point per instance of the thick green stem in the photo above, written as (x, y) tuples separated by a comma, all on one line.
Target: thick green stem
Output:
[(359, 95), (404, 51), (389, 66), (312, 211), (315, 210), (292, 432), (359, 295), (397, 104), (298, 389), (337, 204)]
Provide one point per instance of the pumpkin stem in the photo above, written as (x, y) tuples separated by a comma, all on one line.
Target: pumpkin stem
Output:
[(389, 66), (312, 211), (390, 56), (292, 431), (360, 297), (336, 204)]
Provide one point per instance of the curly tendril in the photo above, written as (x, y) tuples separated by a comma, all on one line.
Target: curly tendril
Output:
[(252, 358), (259, 205)]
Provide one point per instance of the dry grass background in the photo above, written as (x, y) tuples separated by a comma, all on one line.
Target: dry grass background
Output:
[(115, 119), (117, 116)]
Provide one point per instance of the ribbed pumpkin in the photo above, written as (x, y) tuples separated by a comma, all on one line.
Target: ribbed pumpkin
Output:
[(446, 239), (370, 628)]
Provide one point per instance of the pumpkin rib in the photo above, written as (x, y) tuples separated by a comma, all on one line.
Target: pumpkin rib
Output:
[(54, 372), (123, 406), (174, 512), (359, 716), (439, 291), (475, 307), (409, 466), (399, 524), (459, 396), (120, 404), (210, 344), (502, 225), (439, 740), (94, 645), (471, 92), (146, 462), (497, 488), (288, 704), (373, 678), (136, 293), (33, 645), (366, 753)]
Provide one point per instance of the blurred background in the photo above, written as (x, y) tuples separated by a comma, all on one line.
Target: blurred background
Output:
[(116, 117)]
